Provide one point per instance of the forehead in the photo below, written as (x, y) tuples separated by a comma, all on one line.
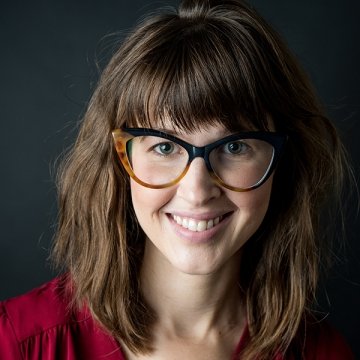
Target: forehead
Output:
[(205, 132), (199, 126)]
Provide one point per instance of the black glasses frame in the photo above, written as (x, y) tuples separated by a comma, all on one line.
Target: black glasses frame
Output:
[(122, 138)]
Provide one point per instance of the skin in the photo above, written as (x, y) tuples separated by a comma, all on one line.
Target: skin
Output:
[(190, 279)]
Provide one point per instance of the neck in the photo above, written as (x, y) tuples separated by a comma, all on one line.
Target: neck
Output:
[(190, 305)]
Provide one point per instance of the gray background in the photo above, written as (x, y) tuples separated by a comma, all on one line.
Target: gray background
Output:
[(47, 71)]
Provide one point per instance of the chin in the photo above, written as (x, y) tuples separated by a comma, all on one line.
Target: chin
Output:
[(197, 265)]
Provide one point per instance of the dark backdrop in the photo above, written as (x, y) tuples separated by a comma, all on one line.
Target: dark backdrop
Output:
[(47, 72)]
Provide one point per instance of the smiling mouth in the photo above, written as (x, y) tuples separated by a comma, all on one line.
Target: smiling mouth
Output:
[(198, 225)]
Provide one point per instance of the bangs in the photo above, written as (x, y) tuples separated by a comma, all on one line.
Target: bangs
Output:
[(193, 76)]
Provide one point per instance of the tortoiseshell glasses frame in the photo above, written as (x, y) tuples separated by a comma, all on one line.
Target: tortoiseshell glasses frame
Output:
[(123, 136)]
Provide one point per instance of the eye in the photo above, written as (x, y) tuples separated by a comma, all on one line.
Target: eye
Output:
[(165, 148), (236, 147)]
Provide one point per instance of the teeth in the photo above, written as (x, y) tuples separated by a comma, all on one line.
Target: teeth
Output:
[(196, 225), (192, 225), (210, 224), (201, 226)]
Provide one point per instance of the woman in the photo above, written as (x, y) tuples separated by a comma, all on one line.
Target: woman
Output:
[(190, 206)]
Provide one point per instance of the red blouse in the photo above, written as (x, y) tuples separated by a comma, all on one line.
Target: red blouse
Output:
[(38, 326)]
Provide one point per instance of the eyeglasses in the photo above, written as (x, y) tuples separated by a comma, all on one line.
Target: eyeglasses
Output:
[(239, 162)]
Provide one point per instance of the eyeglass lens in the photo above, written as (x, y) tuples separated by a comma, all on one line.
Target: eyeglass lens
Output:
[(241, 163)]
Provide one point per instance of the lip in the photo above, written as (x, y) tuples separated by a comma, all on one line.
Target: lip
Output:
[(202, 236)]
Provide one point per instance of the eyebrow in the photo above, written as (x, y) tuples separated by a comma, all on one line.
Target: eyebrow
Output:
[(167, 131), (221, 134)]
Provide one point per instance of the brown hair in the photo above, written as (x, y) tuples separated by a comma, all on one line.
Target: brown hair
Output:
[(210, 61)]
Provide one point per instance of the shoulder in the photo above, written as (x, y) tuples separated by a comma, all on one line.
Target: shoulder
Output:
[(324, 342), (40, 309), (43, 321)]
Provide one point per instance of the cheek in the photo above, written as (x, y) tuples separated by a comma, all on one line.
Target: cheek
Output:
[(252, 207), (147, 202), (255, 200), (261, 197)]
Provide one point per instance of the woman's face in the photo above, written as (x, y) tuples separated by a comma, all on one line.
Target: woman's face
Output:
[(169, 216)]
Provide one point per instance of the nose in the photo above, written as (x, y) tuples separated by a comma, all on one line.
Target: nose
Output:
[(197, 187)]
